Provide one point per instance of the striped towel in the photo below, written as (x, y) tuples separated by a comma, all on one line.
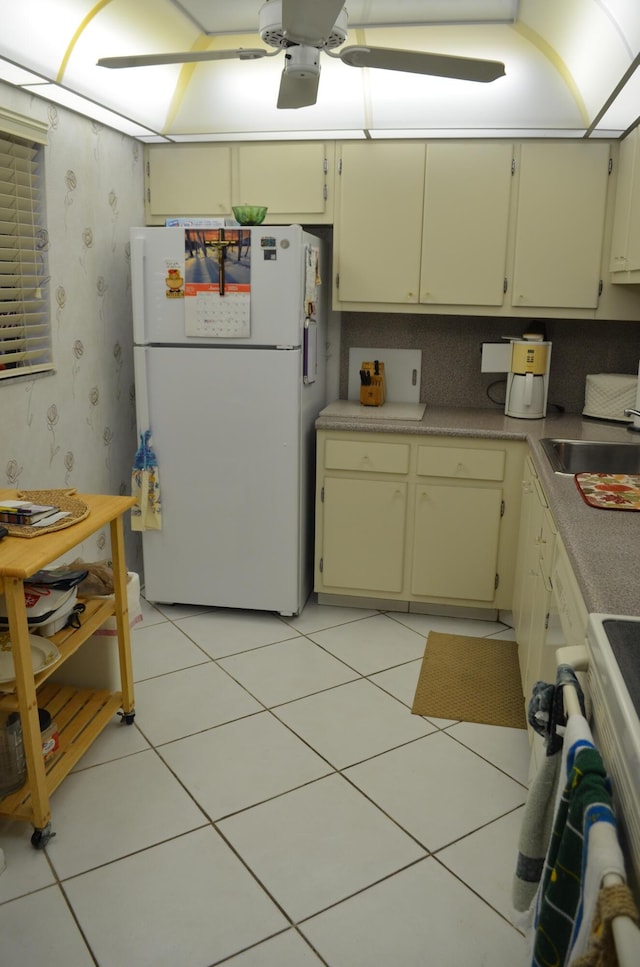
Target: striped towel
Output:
[(583, 848), (546, 716)]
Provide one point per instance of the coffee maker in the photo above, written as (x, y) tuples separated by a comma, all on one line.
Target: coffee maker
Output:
[(528, 378)]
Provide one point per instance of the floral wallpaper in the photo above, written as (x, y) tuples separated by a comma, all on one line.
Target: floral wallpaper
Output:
[(76, 427)]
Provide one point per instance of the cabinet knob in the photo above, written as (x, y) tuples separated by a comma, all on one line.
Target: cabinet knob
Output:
[(460, 468)]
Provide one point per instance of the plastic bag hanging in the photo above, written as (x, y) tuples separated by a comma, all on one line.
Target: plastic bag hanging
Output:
[(145, 487)]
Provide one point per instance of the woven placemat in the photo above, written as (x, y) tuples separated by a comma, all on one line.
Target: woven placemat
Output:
[(470, 680), (64, 499), (610, 491)]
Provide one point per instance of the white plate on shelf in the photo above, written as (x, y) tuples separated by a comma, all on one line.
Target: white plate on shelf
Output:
[(43, 654)]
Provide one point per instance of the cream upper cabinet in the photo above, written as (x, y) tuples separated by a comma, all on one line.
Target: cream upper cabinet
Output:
[(188, 179), (293, 179), (423, 223), (625, 241), (465, 224), (560, 225), (379, 228)]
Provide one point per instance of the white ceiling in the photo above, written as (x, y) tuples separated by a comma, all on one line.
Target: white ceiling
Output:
[(564, 60)]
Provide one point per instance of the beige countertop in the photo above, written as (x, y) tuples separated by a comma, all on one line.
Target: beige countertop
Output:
[(603, 545)]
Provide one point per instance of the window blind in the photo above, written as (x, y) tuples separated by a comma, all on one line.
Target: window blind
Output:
[(25, 330)]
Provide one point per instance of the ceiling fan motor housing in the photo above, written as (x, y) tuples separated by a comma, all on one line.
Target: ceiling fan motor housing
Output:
[(302, 61), (273, 33)]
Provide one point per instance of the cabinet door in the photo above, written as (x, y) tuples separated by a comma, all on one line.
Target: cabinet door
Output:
[(560, 225), (379, 223), (625, 239), (189, 179), (532, 594), (288, 179), (466, 217), (456, 541), (363, 534), (521, 606)]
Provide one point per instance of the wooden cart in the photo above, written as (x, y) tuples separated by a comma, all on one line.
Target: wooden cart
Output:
[(80, 713)]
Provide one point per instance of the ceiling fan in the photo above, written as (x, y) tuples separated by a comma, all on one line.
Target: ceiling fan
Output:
[(304, 28)]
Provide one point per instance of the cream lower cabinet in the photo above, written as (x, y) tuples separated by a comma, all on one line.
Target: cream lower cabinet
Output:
[(431, 523), (548, 607), (458, 507), (364, 528), (532, 592)]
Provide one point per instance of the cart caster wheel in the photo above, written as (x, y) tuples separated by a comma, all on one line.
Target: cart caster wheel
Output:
[(127, 717), (41, 837)]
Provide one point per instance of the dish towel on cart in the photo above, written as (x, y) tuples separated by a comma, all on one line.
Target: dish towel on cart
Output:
[(584, 848), (145, 487)]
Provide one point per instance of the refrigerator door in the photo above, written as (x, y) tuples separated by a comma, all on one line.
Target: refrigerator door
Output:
[(226, 430), (275, 267)]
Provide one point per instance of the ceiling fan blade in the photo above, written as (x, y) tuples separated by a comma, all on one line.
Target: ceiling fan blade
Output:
[(297, 90), (416, 62), (185, 57), (309, 21)]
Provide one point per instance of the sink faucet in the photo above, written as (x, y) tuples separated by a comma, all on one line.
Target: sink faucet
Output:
[(632, 412)]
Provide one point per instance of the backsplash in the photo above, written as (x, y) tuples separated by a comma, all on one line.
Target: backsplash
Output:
[(451, 353)]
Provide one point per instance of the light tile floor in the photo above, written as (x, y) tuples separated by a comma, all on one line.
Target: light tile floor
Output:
[(276, 804)]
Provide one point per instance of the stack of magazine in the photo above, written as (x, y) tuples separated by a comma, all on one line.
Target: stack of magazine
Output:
[(25, 512)]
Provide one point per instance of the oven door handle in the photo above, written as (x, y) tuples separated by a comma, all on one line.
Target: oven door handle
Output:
[(575, 655)]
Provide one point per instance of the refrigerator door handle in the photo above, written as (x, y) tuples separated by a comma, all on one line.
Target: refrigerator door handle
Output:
[(137, 288), (310, 357), (142, 390)]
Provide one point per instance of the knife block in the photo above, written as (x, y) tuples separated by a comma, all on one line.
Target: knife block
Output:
[(372, 394)]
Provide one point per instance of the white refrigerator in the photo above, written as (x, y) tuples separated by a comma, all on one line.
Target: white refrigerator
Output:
[(230, 372)]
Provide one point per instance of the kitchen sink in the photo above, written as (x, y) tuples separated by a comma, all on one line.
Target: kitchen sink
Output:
[(591, 456)]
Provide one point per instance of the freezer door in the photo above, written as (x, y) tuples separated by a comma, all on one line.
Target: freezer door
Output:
[(275, 267), (226, 432)]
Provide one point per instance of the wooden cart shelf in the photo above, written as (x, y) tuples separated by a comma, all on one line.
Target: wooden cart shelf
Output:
[(67, 641), (80, 713)]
